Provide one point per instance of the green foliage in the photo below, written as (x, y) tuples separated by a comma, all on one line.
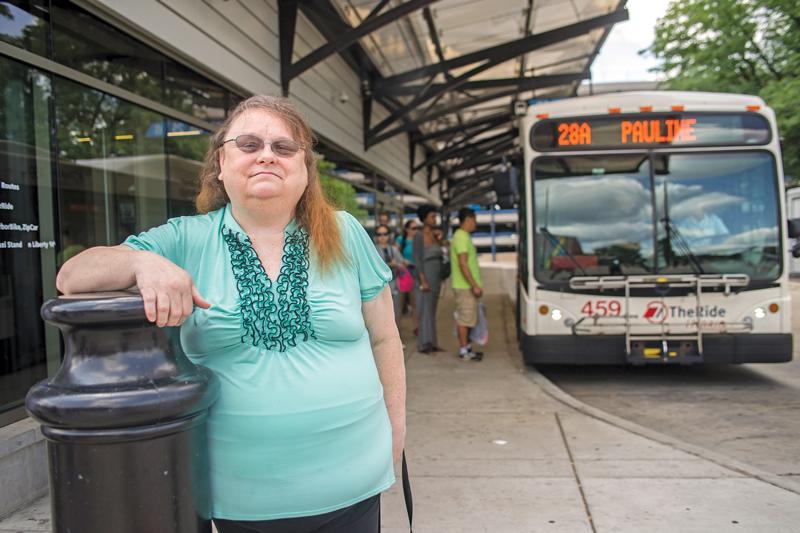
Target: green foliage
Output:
[(340, 193), (737, 46)]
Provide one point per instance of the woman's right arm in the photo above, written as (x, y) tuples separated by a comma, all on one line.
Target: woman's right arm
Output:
[(167, 290), (418, 247)]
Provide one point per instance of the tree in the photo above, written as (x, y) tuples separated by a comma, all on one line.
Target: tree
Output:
[(340, 193), (738, 46)]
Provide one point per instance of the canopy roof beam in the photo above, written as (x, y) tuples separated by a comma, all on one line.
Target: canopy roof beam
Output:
[(287, 14), (503, 52), (523, 85), (461, 149), (519, 84), (460, 186), (491, 121), (496, 153)]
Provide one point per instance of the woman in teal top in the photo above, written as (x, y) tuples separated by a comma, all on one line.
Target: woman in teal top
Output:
[(286, 301)]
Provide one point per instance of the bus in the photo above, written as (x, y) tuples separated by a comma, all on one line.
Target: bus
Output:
[(652, 231)]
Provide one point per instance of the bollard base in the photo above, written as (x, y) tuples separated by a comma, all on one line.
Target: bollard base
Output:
[(133, 483)]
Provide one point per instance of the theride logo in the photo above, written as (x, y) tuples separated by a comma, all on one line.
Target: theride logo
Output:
[(656, 312)]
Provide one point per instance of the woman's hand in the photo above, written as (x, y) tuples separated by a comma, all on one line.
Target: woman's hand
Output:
[(167, 290), (423, 286), (398, 441)]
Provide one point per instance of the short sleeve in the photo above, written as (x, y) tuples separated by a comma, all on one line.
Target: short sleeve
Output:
[(460, 243), (373, 272), (165, 240)]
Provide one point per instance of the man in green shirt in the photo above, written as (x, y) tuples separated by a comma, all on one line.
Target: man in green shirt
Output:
[(467, 284)]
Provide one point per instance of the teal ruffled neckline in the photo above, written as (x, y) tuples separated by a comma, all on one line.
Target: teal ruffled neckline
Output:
[(269, 324)]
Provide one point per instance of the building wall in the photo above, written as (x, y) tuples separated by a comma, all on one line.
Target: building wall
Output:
[(236, 42)]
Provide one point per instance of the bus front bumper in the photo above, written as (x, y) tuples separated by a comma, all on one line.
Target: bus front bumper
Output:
[(610, 349)]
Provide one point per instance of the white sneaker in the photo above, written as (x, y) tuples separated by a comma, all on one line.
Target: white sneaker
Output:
[(466, 356)]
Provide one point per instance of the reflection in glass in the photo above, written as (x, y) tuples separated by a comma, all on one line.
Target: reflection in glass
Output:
[(593, 216), (718, 213), (23, 23), (23, 359), (95, 48), (111, 166), (191, 93), (186, 149)]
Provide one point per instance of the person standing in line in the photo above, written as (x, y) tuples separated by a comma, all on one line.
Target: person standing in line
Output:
[(467, 284), (405, 243), (428, 263), (384, 220), (394, 260)]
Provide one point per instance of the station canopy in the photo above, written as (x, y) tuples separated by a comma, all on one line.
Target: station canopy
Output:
[(452, 72)]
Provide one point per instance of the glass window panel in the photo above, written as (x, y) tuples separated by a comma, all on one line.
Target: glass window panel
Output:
[(186, 149), (112, 166), (614, 237), (87, 44), (718, 214), (23, 23), (27, 247), (191, 93)]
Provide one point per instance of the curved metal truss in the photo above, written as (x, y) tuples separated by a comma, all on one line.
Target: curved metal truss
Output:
[(450, 72)]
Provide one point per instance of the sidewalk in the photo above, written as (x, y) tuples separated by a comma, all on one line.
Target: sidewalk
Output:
[(490, 448), (493, 446)]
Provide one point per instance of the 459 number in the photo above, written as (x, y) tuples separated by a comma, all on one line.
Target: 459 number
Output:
[(602, 308)]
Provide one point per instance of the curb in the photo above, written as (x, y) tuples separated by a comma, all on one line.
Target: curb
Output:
[(556, 393)]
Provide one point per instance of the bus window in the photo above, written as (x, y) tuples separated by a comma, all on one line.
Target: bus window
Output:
[(718, 214), (592, 216)]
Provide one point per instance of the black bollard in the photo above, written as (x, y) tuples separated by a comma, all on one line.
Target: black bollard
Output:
[(125, 422)]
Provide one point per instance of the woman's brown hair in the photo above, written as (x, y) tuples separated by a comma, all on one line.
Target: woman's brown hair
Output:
[(314, 213)]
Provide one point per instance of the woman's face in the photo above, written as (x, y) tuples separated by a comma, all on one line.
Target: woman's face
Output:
[(261, 174), (430, 219), (382, 235)]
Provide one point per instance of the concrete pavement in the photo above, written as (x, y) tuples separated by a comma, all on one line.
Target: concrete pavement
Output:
[(493, 446)]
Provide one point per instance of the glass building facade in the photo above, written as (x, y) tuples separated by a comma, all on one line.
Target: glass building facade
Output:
[(101, 136)]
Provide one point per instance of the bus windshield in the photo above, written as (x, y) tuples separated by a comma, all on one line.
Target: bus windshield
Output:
[(686, 213)]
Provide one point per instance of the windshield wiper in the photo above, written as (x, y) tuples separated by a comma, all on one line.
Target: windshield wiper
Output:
[(675, 236), (554, 240)]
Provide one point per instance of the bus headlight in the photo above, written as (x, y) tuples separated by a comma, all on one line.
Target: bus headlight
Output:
[(569, 322), (555, 314), (759, 312)]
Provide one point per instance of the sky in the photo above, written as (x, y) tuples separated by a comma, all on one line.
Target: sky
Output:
[(619, 59)]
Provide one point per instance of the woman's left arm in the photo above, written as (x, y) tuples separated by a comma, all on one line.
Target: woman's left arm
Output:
[(388, 352)]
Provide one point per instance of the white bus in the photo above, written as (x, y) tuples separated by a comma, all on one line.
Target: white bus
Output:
[(652, 230)]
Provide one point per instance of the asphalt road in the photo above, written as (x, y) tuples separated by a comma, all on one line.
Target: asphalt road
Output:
[(750, 413)]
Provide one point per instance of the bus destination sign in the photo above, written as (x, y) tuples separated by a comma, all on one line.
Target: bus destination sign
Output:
[(652, 130)]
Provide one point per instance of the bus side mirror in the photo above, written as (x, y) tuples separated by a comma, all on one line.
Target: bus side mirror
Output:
[(794, 228)]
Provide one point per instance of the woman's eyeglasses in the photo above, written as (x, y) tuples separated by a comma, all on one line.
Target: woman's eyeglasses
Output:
[(251, 144), (382, 234)]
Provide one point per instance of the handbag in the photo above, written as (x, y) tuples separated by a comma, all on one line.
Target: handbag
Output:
[(405, 282), (444, 271)]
